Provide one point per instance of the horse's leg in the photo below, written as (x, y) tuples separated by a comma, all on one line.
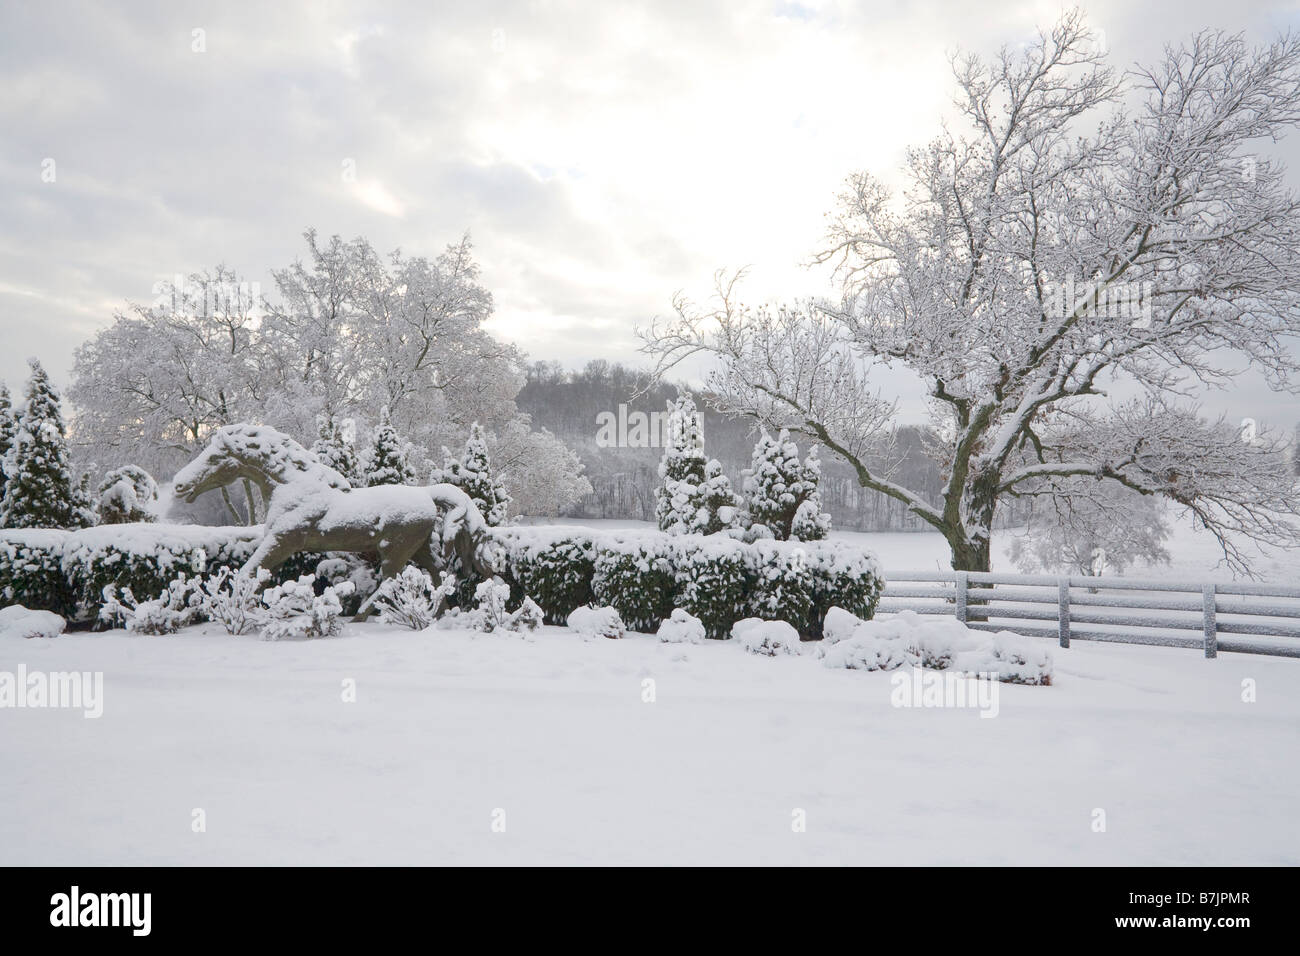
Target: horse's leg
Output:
[(424, 558), (259, 555), (271, 553), (393, 557)]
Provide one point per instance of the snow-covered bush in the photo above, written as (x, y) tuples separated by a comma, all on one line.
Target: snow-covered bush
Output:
[(908, 639), (785, 586), (126, 495), (18, 621), (233, 600), (556, 574), (180, 605), (361, 571), (838, 625), (897, 640), (870, 652), (528, 617), (597, 622), (32, 571), (411, 599), (637, 577), (715, 580), (294, 609), (1015, 659), (766, 638), (492, 614), (681, 628), (842, 576)]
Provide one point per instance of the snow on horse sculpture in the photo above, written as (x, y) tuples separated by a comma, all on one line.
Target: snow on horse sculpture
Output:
[(311, 507)]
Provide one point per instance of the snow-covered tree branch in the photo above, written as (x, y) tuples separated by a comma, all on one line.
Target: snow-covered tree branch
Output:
[(347, 334), (1085, 232)]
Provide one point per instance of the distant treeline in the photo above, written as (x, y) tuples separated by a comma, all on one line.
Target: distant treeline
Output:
[(594, 412)]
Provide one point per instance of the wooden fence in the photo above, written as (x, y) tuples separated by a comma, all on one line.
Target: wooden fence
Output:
[(1250, 618)]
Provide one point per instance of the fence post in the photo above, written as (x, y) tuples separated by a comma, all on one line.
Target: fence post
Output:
[(1210, 624), (1063, 610), (960, 609)]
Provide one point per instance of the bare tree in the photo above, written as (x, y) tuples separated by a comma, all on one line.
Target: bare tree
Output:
[(1026, 269)]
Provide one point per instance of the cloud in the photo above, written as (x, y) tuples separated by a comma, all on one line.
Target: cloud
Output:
[(602, 156), (374, 195)]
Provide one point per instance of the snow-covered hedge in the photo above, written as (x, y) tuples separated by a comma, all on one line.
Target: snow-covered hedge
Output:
[(637, 577), (644, 575), (716, 582), (31, 571), (67, 571), (556, 573), (717, 579), (147, 557)]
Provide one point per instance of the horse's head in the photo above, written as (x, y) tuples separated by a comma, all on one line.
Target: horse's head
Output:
[(215, 468), (258, 452)]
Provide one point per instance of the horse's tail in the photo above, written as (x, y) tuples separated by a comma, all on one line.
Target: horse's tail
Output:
[(464, 534)]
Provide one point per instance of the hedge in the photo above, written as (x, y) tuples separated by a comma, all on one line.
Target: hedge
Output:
[(646, 574), (66, 571), (643, 574), (555, 573)]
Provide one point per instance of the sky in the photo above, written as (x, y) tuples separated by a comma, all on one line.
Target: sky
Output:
[(602, 156)]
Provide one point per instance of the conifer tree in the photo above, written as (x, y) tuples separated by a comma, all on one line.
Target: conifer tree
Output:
[(476, 479), (694, 496), (783, 499), (387, 463), (8, 427), (720, 505), (336, 448), (810, 522), (39, 489), (84, 513), (681, 470)]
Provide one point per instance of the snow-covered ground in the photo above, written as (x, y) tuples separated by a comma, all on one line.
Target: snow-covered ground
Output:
[(451, 732)]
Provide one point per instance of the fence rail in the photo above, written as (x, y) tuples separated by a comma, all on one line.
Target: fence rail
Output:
[(1230, 616)]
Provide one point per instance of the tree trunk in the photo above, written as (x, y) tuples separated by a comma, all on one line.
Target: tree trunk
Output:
[(968, 555), (230, 506), (252, 502)]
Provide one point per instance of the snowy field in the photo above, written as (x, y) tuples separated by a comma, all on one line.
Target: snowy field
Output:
[(451, 731)]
